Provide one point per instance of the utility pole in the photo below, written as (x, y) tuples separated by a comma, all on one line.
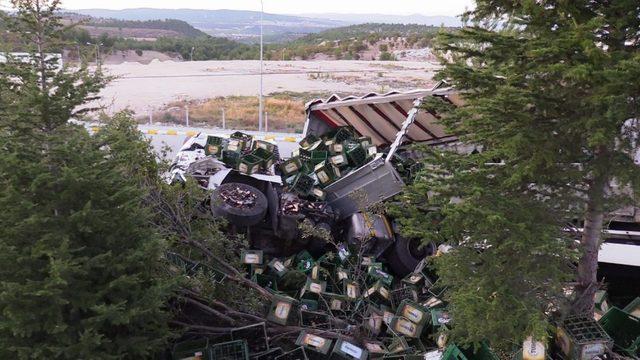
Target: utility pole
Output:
[(261, 65), (266, 122), (192, 49), (150, 116), (187, 114), (224, 121)]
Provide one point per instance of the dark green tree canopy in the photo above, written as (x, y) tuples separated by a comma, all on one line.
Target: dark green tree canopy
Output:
[(551, 92)]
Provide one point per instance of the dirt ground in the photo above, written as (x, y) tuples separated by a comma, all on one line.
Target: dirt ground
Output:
[(143, 88)]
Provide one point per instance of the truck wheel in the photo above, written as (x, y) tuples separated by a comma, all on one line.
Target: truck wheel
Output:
[(406, 253), (240, 204)]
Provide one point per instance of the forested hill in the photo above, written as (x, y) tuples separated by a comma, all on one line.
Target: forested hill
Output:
[(364, 41), (177, 26)]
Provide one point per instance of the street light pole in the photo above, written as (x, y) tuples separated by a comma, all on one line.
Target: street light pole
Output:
[(261, 66)]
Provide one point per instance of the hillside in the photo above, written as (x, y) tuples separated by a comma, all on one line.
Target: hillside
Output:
[(131, 28), (418, 19), (233, 24), (364, 41)]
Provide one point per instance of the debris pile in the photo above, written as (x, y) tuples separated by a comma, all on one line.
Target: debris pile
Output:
[(346, 305), (321, 161)]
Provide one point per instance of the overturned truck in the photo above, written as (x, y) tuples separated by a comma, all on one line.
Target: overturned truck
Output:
[(354, 155)]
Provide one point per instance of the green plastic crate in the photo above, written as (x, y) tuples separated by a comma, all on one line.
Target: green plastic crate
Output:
[(214, 146), (231, 158), (624, 329), (314, 342), (191, 349), (282, 309), (249, 164), (266, 281), (453, 352), (581, 338), (265, 156), (232, 350), (343, 133), (298, 353), (633, 307), (246, 139), (439, 317), (302, 184), (413, 312), (348, 351), (356, 154), (291, 166), (270, 354), (327, 173), (308, 141), (255, 335), (262, 144)]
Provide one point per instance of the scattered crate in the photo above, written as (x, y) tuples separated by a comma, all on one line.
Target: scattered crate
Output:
[(190, 349), (296, 354), (270, 354), (255, 336), (582, 338), (624, 329), (633, 307), (231, 350)]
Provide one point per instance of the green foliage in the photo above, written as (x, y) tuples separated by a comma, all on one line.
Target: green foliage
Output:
[(80, 274), (385, 56), (548, 92)]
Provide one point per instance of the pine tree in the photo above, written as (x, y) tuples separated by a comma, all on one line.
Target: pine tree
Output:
[(80, 272), (551, 91)]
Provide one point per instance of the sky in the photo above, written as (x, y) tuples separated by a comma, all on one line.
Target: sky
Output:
[(391, 7)]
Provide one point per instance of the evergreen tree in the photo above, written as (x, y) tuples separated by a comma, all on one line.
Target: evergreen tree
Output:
[(551, 91), (80, 274)]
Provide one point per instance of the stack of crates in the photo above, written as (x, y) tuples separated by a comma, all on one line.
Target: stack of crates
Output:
[(582, 338), (321, 161)]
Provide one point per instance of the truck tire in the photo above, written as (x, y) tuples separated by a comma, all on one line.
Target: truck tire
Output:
[(243, 216), (405, 254)]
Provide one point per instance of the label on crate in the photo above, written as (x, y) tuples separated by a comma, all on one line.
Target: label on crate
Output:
[(291, 167), (282, 310), (432, 301), (591, 350), (323, 177), (388, 317), (252, 259), (288, 262), (213, 149), (412, 313), (532, 350), (352, 291), (234, 145), (343, 253), (351, 349), (278, 266), (336, 304), (384, 292), (243, 168), (315, 288), (370, 291), (375, 322), (315, 341), (337, 160), (415, 278), (406, 327), (318, 193), (314, 272), (342, 275), (374, 348), (372, 150), (444, 318)]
